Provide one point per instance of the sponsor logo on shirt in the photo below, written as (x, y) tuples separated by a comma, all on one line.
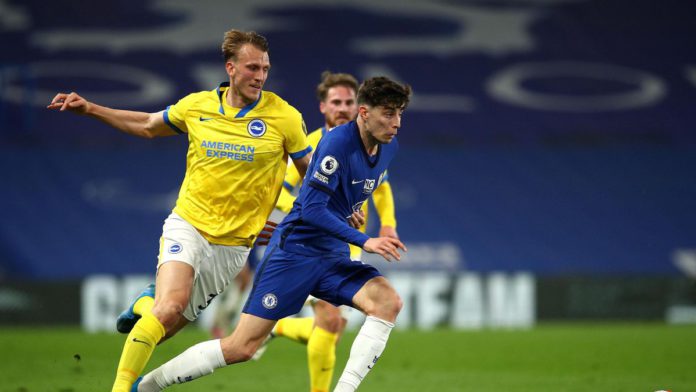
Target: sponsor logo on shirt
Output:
[(321, 177), (369, 186), (237, 152)]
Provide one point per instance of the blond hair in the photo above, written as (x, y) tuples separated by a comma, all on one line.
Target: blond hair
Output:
[(235, 39)]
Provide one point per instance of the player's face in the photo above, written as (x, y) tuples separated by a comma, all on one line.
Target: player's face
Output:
[(383, 123), (248, 74), (340, 106)]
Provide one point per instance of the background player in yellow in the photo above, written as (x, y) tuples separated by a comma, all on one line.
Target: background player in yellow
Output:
[(337, 102), (240, 138)]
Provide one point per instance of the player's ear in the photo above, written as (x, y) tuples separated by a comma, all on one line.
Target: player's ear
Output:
[(362, 112), (322, 107), (229, 67)]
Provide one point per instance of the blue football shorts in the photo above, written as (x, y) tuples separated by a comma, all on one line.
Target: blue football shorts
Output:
[(284, 280)]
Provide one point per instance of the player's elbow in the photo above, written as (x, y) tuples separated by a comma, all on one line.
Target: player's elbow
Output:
[(153, 126), (148, 131)]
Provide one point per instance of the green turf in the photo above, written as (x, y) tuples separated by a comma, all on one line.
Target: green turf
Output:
[(557, 357)]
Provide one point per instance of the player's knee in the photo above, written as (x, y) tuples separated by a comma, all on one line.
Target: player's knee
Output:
[(389, 305), (395, 304), (168, 313)]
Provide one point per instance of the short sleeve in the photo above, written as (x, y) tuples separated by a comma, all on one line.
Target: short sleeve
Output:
[(296, 137), (328, 165), (175, 115)]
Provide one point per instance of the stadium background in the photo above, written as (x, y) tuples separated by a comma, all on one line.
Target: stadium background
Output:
[(547, 169)]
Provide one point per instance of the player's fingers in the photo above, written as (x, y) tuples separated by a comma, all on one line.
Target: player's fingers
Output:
[(66, 101), (57, 101), (385, 254), (58, 98), (72, 101), (354, 223), (389, 251), (394, 253), (360, 217), (271, 223), (398, 244)]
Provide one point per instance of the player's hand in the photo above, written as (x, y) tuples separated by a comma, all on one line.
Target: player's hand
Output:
[(357, 219), (386, 247), (265, 234), (388, 231), (71, 102)]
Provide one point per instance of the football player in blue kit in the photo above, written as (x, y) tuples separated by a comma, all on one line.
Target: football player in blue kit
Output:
[(308, 253)]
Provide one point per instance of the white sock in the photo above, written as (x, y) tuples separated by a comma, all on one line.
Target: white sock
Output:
[(196, 361), (366, 349)]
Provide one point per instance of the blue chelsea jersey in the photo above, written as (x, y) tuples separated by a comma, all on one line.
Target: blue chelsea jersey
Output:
[(340, 178)]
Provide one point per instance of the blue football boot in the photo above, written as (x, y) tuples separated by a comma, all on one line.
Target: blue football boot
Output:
[(134, 388), (127, 319)]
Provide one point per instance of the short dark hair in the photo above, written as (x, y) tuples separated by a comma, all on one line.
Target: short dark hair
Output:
[(382, 91), (330, 79), (235, 39)]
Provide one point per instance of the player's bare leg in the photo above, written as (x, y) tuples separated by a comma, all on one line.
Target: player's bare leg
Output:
[(381, 303), (172, 293), (203, 358)]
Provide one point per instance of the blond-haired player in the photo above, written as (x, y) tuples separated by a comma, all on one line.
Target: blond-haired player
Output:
[(239, 139)]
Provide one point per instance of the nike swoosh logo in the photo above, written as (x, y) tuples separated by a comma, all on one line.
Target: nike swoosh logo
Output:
[(141, 341), (201, 118), (325, 369), (356, 182)]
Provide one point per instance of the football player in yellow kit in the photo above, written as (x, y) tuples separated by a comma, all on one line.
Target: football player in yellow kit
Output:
[(239, 139)]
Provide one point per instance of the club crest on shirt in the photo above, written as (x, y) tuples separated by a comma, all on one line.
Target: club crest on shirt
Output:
[(269, 301), (329, 165), (256, 127)]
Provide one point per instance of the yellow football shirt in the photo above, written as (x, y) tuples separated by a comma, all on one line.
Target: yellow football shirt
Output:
[(236, 161), (382, 197)]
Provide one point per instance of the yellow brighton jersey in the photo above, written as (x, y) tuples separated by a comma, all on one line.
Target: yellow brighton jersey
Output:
[(382, 197), (236, 161)]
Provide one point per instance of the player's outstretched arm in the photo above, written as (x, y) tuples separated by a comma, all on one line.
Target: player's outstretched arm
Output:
[(147, 125), (386, 247)]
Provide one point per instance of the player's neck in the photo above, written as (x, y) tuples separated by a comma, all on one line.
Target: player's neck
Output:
[(235, 100), (368, 141)]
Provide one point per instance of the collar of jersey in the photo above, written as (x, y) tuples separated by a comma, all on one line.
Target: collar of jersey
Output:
[(243, 111)]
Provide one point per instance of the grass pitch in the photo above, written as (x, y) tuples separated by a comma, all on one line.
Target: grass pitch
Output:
[(550, 357)]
